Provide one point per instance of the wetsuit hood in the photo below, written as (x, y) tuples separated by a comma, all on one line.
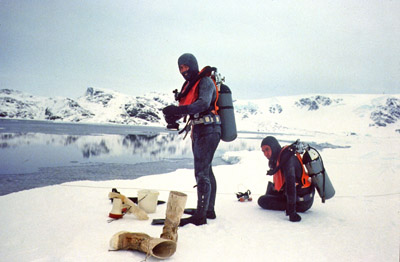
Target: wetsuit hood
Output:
[(275, 147), (191, 61)]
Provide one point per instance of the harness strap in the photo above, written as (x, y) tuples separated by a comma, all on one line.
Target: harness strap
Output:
[(305, 178), (189, 91), (206, 120), (186, 128), (279, 179), (305, 197)]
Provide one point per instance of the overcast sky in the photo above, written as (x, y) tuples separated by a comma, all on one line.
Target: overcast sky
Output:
[(263, 48)]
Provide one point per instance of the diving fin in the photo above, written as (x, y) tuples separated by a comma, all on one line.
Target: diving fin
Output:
[(157, 222)]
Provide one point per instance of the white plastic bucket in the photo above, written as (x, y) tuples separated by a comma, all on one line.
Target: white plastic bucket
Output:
[(147, 200)]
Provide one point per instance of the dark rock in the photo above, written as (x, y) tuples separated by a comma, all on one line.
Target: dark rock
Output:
[(387, 114)]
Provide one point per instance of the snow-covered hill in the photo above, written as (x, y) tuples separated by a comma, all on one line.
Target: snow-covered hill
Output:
[(350, 114), (95, 106)]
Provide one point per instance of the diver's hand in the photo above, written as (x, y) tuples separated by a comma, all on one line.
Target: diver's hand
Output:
[(173, 110), (270, 172)]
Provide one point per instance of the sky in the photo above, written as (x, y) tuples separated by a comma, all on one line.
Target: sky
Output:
[(263, 48)]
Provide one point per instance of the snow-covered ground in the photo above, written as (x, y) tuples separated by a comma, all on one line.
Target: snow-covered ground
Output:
[(68, 222)]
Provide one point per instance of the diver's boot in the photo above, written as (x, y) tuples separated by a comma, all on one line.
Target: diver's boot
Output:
[(200, 216), (197, 219), (156, 247), (210, 213), (176, 205)]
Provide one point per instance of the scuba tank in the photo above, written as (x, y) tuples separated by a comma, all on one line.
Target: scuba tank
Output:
[(225, 109), (227, 114), (316, 170)]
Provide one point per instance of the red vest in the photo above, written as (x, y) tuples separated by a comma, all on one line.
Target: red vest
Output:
[(193, 94), (279, 178)]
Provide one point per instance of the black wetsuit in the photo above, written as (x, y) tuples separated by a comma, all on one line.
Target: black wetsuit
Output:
[(292, 197), (205, 139)]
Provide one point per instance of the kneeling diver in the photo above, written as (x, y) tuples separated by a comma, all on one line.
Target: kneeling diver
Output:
[(290, 190)]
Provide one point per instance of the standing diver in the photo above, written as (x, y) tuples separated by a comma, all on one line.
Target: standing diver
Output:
[(198, 100)]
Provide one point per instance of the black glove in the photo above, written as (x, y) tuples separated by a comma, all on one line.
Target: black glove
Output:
[(171, 121), (291, 212), (175, 110), (271, 172), (171, 110), (294, 217)]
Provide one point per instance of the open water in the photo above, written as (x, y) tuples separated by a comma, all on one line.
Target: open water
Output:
[(41, 153)]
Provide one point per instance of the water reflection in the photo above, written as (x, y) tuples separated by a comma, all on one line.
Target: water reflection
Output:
[(42, 153), (95, 149), (31, 160), (26, 152), (35, 153)]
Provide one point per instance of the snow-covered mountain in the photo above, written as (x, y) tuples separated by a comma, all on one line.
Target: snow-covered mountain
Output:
[(351, 114), (325, 113), (95, 106)]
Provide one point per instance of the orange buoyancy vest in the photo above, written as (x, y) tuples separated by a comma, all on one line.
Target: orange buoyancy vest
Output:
[(279, 178), (193, 93)]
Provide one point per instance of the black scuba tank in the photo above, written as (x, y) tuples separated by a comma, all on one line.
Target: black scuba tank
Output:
[(227, 114)]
